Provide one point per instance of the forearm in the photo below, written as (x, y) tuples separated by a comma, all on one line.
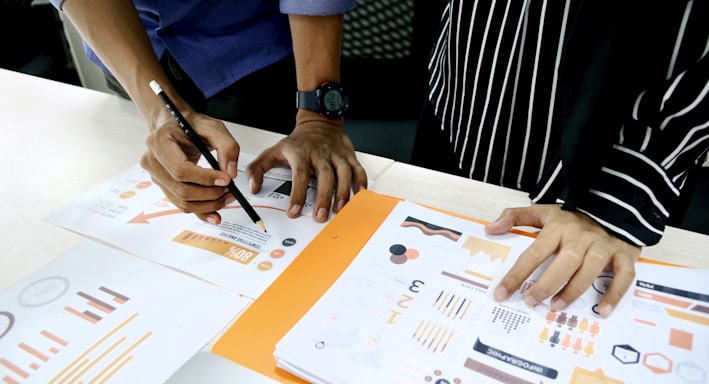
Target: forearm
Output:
[(644, 172), (115, 33), (316, 48)]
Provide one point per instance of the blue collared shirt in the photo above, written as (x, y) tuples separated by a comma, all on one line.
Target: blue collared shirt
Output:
[(219, 42)]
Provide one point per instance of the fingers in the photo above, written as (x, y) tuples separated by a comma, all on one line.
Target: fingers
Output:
[(539, 251), (171, 158), (255, 170), (581, 249), (323, 197), (580, 263), (512, 217), (313, 150), (624, 267)]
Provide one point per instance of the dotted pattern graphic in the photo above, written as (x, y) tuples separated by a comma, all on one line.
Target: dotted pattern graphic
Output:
[(378, 29), (508, 322)]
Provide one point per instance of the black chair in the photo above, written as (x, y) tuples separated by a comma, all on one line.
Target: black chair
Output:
[(385, 49)]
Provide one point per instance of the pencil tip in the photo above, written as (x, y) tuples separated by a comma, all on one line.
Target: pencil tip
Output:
[(260, 225)]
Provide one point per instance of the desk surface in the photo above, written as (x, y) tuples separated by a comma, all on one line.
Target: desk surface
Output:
[(59, 141)]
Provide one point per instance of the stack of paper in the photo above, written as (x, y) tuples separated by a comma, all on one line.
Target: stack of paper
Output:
[(415, 305)]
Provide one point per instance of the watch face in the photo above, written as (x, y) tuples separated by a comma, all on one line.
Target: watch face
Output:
[(332, 100)]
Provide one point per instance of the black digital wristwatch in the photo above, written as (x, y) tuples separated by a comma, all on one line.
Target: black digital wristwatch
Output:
[(330, 100)]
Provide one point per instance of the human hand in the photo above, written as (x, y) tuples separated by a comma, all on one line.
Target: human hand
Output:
[(171, 160), (583, 249), (319, 147)]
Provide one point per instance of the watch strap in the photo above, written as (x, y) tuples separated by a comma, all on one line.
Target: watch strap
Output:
[(307, 100)]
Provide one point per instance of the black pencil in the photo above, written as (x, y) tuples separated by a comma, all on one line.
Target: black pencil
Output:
[(205, 151)]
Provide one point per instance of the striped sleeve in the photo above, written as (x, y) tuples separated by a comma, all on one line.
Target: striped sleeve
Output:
[(666, 134)]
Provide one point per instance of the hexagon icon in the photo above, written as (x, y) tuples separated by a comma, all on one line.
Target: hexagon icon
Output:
[(626, 354), (691, 372), (657, 362)]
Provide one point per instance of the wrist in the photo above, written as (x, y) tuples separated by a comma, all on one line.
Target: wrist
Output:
[(330, 100), (313, 118)]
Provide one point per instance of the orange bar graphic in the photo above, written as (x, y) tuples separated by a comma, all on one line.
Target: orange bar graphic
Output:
[(121, 356), (113, 371), (466, 309), (77, 375), (100, 307), (445, 298), (424, 331), (688, 316), (99, 342), (79, 366), (478, 275), (231, 251), (10, 380), (96, 303), (662, 299), (117, 297), (417, 329), (14, 368), (454, 306), (434, 338), (54, 338), (443, 336), (430, 331), (35, 366), (463, 279), (447, 341), (641, 321), (83, 315), (33, 352)]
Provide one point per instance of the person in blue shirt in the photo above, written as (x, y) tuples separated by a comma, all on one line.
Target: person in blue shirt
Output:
[(238, 61)]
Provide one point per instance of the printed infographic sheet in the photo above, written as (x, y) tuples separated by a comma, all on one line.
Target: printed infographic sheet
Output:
[(416, 306), (98, 315), (131, 212)]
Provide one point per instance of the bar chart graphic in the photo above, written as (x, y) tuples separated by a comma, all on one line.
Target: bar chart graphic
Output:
[(97, 315), (102, 306), (43, 347)]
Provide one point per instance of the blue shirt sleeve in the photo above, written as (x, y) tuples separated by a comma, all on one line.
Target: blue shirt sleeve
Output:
[(314, 7)]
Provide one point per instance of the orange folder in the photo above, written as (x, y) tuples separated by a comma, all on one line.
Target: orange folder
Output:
[(251, 340)]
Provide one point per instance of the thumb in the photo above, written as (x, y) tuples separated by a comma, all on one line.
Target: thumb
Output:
[(501, 225), (512, 217)]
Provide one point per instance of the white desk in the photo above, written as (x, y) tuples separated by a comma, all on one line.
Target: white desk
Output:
[(59, 141), (486, 201)]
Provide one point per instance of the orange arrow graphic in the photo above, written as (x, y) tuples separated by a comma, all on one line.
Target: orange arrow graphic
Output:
[(142, 218)]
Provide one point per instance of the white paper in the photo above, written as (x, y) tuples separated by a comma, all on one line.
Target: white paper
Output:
[(416, 306), (96, 314), (131, 212)]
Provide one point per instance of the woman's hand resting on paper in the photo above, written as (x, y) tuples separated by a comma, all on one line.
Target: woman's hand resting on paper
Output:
[(583, 250)]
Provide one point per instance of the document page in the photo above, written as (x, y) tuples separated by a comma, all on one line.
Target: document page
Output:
[(98, 315), (416, 306), (130, 212)]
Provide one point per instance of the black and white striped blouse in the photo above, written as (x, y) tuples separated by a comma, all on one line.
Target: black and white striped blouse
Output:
[(599, 105)]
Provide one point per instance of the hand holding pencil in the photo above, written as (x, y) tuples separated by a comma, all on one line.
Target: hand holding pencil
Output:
[(188, 193)]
